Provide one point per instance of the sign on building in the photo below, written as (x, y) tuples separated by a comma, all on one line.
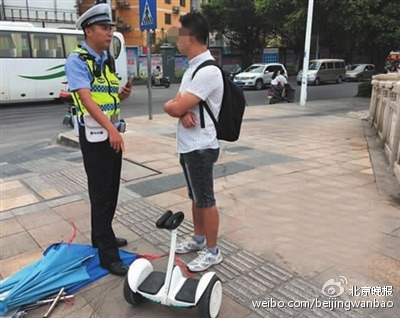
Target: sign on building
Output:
[(270, 55)]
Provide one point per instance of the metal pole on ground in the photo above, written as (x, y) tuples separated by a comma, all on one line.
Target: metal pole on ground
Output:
[(303, 93)]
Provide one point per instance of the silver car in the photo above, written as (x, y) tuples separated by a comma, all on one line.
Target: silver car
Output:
[(360, 72)]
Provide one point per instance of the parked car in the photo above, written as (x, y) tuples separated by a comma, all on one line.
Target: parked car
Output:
[(360, 72), (258, 75), (324, 70)]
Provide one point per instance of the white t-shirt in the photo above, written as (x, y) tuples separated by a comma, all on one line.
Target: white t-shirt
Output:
[(279, 79), (209, 86)]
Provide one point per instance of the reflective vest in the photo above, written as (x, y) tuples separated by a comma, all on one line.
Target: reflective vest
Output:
[(104, 87)]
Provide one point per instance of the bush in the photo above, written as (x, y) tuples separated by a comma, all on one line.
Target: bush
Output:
[(364, 89)]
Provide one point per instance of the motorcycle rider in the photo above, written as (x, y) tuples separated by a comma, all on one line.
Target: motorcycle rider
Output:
[(278, 82), (158, 75), (236, 70)]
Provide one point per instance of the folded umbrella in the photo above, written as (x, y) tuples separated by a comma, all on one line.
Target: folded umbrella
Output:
[(58, 268)]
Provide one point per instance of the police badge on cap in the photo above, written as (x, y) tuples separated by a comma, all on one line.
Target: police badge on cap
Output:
[(99, 14)]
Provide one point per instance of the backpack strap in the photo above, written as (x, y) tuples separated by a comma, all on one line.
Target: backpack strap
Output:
[(202, 103)]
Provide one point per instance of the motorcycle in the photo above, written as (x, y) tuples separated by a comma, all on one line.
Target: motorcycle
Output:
[(233, 73), (164, 81), (277, 95)]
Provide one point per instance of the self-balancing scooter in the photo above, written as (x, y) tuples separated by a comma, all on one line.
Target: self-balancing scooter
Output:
[(171, 288)]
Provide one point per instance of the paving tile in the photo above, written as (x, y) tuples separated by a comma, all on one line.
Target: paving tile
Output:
[(18, 201), (76, 308), (303, 200), (50, 194), (59, 231), (9, 248), (13, 264), (10, 226), (166, 199), (39, 219), (384, 269), (72, 210)]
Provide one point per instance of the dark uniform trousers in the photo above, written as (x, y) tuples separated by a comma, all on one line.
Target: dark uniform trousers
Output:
[(103, 168)]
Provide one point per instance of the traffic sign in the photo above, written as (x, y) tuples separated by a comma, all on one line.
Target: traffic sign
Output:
[(148, 14)]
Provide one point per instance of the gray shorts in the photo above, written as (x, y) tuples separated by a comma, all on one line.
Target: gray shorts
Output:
[(198, 170)]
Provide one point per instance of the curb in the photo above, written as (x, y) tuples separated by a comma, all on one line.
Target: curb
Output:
[(68, 140)]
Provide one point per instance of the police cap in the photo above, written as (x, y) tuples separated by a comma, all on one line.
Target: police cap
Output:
[(98, 14)]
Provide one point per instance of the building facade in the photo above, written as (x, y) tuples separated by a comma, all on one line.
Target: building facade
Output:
[(64, 13), (126, 16)]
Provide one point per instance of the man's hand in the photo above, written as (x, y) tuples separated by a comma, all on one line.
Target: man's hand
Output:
[(125, 92), (188, 120), (116, 140)]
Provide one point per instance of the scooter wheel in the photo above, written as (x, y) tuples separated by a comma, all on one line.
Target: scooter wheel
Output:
[(210, 302), (135, 299), (166, 85)]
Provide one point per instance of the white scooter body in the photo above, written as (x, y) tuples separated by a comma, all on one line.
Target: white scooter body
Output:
[(172, 288)]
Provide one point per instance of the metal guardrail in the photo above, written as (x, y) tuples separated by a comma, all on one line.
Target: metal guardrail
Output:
[(385, 116)]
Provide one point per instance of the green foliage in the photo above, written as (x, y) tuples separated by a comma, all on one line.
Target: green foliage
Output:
[(162, 41), (345, 27), (364, 89), (239, 22)]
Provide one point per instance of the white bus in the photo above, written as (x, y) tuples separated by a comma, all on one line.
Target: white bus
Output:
[(32, 60)]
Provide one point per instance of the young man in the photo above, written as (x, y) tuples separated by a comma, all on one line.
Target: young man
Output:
[(158, 75), (198, 147), (96, 94)]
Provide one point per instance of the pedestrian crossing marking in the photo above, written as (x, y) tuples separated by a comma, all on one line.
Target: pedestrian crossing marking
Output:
[(147, 17)]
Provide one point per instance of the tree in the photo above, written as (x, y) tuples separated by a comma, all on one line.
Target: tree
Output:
[(164, 41), (239, 22), (353, 29)]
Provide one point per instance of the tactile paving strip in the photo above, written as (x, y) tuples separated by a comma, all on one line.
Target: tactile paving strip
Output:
[(67, 181), (246, 277)]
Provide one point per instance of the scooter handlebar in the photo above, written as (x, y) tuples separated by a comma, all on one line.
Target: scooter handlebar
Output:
[(169, 220)]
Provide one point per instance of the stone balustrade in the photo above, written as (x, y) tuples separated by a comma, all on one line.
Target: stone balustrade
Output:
[(385, 116)]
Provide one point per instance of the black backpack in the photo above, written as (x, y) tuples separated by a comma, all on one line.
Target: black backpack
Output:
[(232, 108)]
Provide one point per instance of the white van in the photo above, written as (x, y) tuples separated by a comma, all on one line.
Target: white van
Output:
[(324, 70)]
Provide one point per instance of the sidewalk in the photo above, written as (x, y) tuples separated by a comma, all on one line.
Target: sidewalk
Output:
[(304, 197)]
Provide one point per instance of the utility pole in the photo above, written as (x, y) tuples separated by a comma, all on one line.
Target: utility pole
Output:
[(303, 93), (149, 90)]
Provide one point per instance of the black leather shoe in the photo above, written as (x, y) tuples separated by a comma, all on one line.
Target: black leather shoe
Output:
[(116, 268), (121, 241)]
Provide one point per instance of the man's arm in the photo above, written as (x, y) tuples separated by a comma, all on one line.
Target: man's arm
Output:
[(181, 104), (116, 141)]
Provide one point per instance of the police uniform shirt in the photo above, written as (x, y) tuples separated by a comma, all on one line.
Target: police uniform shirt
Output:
[(78, 72)]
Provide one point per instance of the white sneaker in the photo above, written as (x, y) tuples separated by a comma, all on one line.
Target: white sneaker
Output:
[(189, 245), (204, 260)]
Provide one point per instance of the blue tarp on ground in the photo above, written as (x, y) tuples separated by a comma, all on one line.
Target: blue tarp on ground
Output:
[(70, 266)]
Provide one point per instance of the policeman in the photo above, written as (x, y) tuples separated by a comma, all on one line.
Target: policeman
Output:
[(95, 89)]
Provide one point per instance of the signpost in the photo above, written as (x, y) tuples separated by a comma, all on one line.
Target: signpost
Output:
[(148, 21)]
